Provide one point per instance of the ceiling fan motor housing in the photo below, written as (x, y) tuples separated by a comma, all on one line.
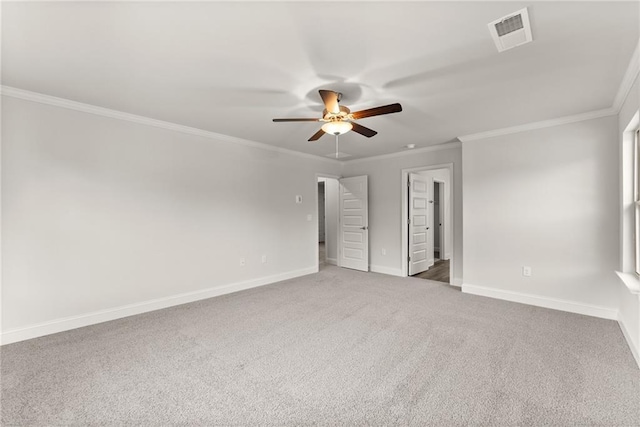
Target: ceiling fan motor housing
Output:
[(343, 114)]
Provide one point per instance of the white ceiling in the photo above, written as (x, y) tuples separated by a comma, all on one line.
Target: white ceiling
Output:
[(230, 67)]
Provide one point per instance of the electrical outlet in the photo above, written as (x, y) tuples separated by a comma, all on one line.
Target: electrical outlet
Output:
[(526, 271), (264, 259), (384, 251), (242, 262)]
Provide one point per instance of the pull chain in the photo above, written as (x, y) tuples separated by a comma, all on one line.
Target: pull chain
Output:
[(337, 145)]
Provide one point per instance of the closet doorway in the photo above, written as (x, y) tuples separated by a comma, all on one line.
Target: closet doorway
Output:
[(428, 222), (328, 205)]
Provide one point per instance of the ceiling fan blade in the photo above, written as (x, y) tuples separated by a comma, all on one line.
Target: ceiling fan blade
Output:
[(296, 120), (377, 111), (330, 99), (316, 136), (363, 130)]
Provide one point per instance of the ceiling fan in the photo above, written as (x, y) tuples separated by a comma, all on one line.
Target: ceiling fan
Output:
[(339, 119)]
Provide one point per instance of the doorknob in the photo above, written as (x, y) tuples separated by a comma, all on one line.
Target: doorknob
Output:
[(427, 228), (363, 228)]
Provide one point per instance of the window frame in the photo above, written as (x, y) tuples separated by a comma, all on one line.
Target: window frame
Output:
[(636, 199)]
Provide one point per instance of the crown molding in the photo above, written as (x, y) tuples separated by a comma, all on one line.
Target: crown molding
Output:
[(628, 80), (438, 147), (540, 125), (120, 115), (630, 76)]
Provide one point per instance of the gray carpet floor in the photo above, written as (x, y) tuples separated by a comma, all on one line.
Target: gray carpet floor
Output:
[(335, 348)]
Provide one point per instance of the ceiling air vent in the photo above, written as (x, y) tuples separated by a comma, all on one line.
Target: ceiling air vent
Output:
[(511, 30)]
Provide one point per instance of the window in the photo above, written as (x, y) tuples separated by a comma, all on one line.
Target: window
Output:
[(630, 204), (636, 197)]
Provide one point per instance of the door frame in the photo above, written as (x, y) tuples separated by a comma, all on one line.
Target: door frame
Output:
[(337, 236), (405, 214)]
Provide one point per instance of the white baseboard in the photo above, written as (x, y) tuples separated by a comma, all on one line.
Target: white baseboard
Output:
[(539, 301), (332, 261), (634, 349), (87, 319), (457, 281), (386, 270)]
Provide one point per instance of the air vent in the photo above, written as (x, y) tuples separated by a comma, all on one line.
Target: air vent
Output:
[(509, 25), (511, 30)]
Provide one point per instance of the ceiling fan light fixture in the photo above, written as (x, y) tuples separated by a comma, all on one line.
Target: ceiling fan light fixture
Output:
[(338, 119), (337, 127)]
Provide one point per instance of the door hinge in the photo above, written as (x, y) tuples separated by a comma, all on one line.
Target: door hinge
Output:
[(409, 183), (409, 258), (409, 221)]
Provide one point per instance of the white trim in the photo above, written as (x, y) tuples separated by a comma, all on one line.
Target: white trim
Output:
[(627, 336), (630, 76), (1, 186), (626, 194), (540, 125), (540, 301), (457, 282), (628, 80), (438, 147), (386, 270), (120, 115), (332, 261), (87, 319), (631, 282)]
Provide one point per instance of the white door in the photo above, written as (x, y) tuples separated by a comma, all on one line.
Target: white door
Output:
[(354, 223), (418, 222), (431, 259), (440, 227)]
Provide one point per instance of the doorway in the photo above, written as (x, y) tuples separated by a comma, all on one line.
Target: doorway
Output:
[(327, 202), (343, 226), (322, 252), (427, 238)]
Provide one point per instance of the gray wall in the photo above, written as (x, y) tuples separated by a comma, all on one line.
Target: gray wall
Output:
[(100, 213), (546, 199)]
